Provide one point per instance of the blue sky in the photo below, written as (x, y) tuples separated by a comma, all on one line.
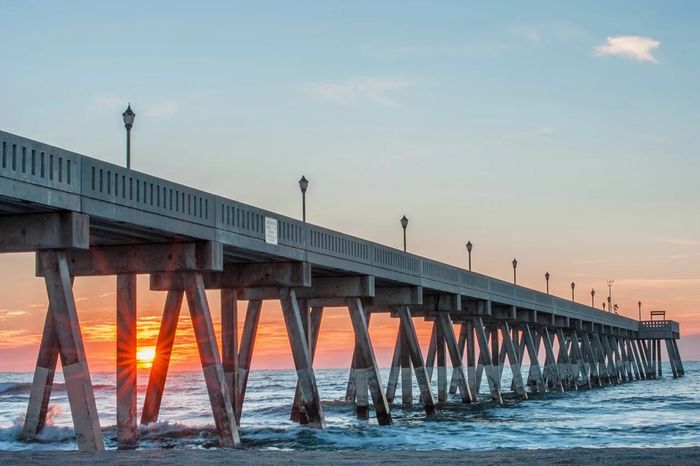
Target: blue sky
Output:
[(563, 133)]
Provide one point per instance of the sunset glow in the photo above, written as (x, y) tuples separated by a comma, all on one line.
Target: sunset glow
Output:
[(145, 356)]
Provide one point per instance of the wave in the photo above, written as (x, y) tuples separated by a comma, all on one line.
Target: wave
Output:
[(24, 388)]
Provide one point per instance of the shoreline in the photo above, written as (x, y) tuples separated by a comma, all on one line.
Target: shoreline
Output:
[(619, 456)]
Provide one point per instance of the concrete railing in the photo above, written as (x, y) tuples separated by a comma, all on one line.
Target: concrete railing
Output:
[(660, 325)]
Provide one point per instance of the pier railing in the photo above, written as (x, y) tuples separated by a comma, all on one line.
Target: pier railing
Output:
[(59, 179), (659, 329)]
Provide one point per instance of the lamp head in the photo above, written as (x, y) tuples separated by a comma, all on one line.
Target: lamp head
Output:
[(303, 184), (129, 116), (404, 222)]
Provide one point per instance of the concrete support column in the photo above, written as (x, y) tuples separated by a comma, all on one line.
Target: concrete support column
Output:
[(395, 368), (535, 373), (315, 316), (461, 341), (513, 361), (405, 360), (413, 346), (554, 378), (127, 430), (229, 342), (671, 358), (367, 360), (161, 362), (441, 363), (302, 358), (212, 369), (445, 325), (471, 359), (245, 353), (495, 355), (81, 397), (485, 359), (679, 361), (42, 383)]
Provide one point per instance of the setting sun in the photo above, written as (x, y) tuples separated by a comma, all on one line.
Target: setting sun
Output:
[(145, 356)]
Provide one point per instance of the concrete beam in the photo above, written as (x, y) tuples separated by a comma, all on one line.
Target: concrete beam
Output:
[(396, 296), (145, 258), (34, 232), (272, 275), (324, 292), (443, 303)]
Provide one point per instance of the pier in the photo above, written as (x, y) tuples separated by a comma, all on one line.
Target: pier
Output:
[(84, 217)]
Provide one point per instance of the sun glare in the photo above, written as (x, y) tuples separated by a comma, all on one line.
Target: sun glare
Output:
[(145, 356)]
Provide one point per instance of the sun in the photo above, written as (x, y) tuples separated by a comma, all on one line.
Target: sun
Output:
[(145, 356)]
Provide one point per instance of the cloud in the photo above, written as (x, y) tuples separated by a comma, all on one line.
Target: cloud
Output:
[(159, 110), (677, 241), (153, 110), (527, 32), (111, 102), (589, 261), (6, 314), (359, 90), (633, 47), (546, 130)]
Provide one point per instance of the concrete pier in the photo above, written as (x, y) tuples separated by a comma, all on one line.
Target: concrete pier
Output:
[(84, 217)]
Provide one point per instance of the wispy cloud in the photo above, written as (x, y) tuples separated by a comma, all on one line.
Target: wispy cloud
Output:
[(6, 314), (528, 33), (546, 130), (110, 102), (633, 47), (360, 90), (113, 102), (589, 261), (159, 110), (678, 241)]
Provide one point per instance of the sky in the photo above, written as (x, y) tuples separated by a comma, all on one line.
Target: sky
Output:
[(564, 134)]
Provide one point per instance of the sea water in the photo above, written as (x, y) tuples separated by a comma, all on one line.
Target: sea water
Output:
[(645, 413)]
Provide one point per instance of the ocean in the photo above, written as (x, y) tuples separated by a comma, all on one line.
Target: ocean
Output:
[(650, 413)]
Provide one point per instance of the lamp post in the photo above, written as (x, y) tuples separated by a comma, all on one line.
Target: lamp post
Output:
[(610, 284), (515, 266), (603, 305), (128, 116), (303, 185), (573, 285), (469, 252), (639, 303), (592, 298), (546, 277), (404, 224)]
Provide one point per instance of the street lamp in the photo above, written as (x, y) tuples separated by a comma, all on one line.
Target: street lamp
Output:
[(603, 305), (404, 224), (469, 252), (592, 298), (573, 285), (610, 284), (515, 266), (639, 303), (546, 277), (129, 116), (303, 185)]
